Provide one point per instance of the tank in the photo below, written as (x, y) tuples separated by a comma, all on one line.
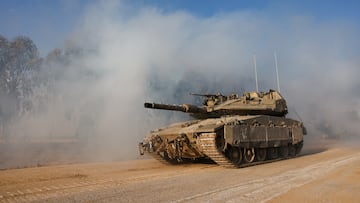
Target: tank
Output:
[(231, 131)]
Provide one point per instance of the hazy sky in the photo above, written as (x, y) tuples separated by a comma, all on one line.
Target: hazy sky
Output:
[(49, 23)]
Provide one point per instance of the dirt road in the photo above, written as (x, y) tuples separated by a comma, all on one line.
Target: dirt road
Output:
[(328, 175)]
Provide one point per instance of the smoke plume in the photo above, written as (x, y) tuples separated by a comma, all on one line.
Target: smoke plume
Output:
[(131, 55)]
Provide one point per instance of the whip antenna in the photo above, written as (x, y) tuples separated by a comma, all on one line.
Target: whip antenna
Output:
[(277, 72), (256, 79)]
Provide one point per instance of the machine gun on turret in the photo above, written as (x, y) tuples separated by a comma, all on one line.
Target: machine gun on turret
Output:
[(207, 95), (212, 99)]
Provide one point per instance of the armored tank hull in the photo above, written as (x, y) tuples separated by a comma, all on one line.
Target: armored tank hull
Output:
[(230, 141), (232, 131)]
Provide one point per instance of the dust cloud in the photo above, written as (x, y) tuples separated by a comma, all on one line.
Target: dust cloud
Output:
[(137, 54)]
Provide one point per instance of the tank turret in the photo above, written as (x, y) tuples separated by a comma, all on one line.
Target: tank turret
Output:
[(217, 105)]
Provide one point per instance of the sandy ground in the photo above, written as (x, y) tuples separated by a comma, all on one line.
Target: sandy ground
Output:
[(320, 174), (43, 152)]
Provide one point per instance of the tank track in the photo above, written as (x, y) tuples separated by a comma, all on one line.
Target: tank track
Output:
[(210, 149), (208, 144)]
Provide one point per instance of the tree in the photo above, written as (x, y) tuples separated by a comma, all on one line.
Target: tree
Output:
[(18, 61), (4, 49)]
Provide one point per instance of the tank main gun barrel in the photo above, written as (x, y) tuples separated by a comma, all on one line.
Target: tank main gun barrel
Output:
[(187, 108)]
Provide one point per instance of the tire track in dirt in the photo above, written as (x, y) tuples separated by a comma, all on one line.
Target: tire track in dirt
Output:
[(35, 194), (265, 189)]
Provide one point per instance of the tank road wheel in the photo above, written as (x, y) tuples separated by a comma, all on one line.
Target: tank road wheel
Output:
[(249, 155), (260, 154), (235, 155), (273, 153), (292, 150), (284, 152)]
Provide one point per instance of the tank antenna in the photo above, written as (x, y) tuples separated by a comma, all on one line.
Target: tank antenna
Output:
[(277, 72), (256, 79)]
